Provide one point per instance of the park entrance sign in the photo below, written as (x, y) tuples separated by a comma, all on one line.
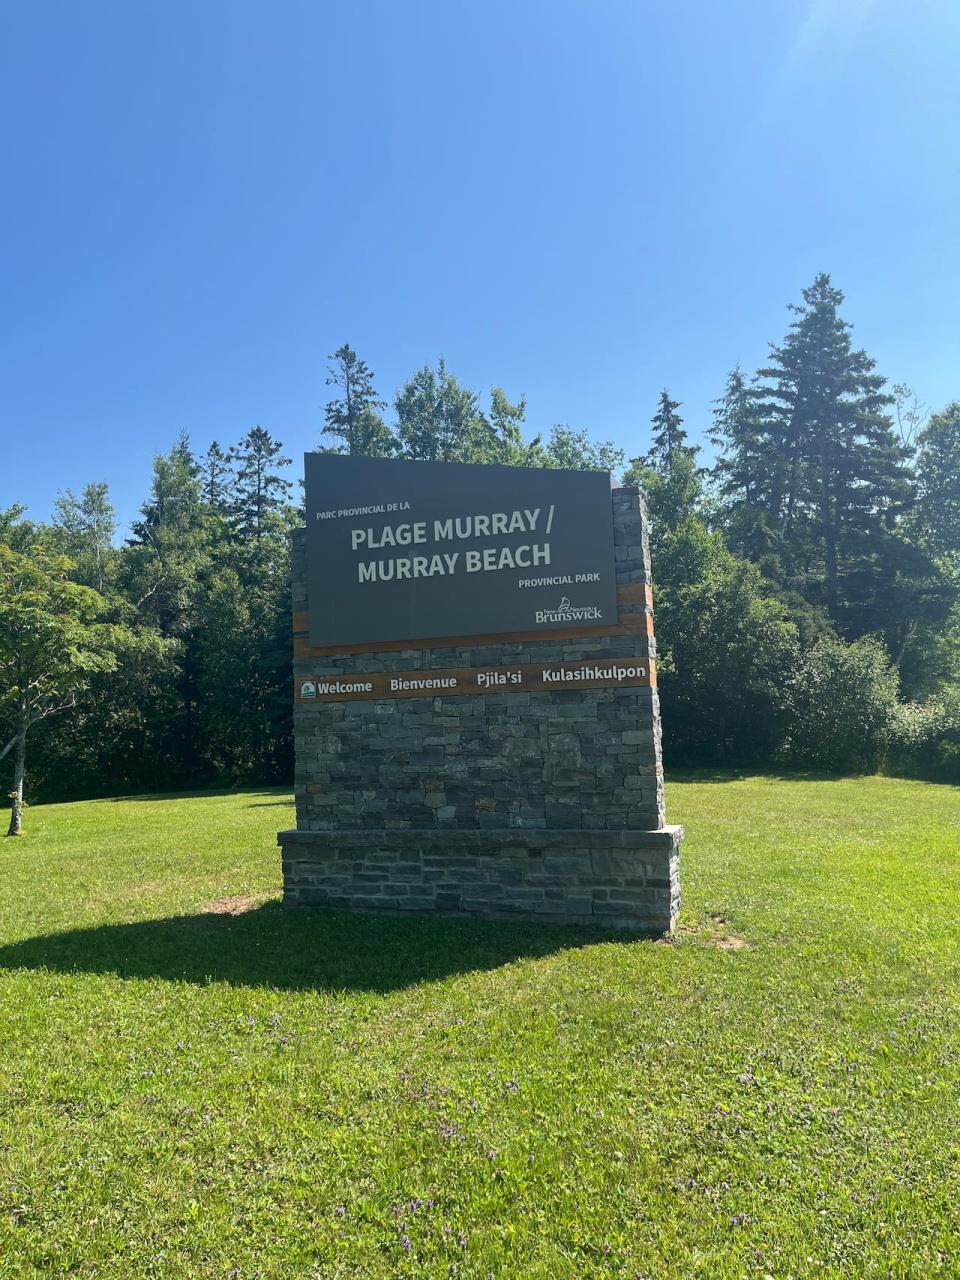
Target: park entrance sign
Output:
[(410, 550), (476, 720)]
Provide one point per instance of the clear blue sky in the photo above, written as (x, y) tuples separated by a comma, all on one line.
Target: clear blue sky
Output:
[(581, 201)]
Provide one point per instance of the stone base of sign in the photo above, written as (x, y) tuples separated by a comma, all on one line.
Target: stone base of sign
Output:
[(624, 880)]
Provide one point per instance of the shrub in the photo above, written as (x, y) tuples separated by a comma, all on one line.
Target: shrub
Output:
[(925, 738), (726, 652), (845, 703)]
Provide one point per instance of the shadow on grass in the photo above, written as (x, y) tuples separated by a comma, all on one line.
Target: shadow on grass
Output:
[(303, 949), (208, 793), (704, 773)]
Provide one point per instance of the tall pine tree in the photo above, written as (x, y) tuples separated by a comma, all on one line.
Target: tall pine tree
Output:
[(823, 461), (217, 478), (259, 491), (354, 416), (938, 474), (669, 438)]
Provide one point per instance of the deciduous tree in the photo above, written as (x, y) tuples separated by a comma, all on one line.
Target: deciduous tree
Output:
[(439, 420), (83, 529), (51, 644)]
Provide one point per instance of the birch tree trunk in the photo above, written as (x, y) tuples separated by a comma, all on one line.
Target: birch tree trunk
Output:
[(19, 761)]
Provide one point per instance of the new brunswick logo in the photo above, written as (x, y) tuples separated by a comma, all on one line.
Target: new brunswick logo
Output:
[(566, 612)]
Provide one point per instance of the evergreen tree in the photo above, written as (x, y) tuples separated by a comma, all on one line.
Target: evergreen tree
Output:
[(675, 495), (217, 479), (169, 542), (163, 576), (938, 477), (669, 438), (354, 416), (259, 491), (828, 467)]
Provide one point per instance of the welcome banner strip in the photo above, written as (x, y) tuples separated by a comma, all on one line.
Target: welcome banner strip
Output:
[(540, 677)]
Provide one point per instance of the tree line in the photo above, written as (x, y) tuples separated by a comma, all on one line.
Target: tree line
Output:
[(807, 581)]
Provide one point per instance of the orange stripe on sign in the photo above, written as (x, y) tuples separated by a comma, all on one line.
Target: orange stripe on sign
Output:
[(635, 593)]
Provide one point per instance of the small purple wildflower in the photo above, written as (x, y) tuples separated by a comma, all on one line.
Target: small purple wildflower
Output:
[(341, 1211), (405, 1242)]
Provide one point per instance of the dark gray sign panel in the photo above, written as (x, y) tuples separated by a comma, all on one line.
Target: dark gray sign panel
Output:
[(421, 550)]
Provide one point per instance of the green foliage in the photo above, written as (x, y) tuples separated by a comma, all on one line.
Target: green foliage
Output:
[(573, 450), (126, 732), (725, 650), (438, 420), (669, 438), (924, 739), (815, 488), (845, 698), (259, 491), (52, 642), (241, 646), (83, 529), (354, 417), (305, 1094), (739, 474), (201, 689), (673, 495), (502, 432), (811, 472), (938, 476), (159, 573), (812, 524), (217, 479)]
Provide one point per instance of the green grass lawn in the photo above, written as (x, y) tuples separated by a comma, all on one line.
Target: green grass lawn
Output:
[(275, 1094)]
